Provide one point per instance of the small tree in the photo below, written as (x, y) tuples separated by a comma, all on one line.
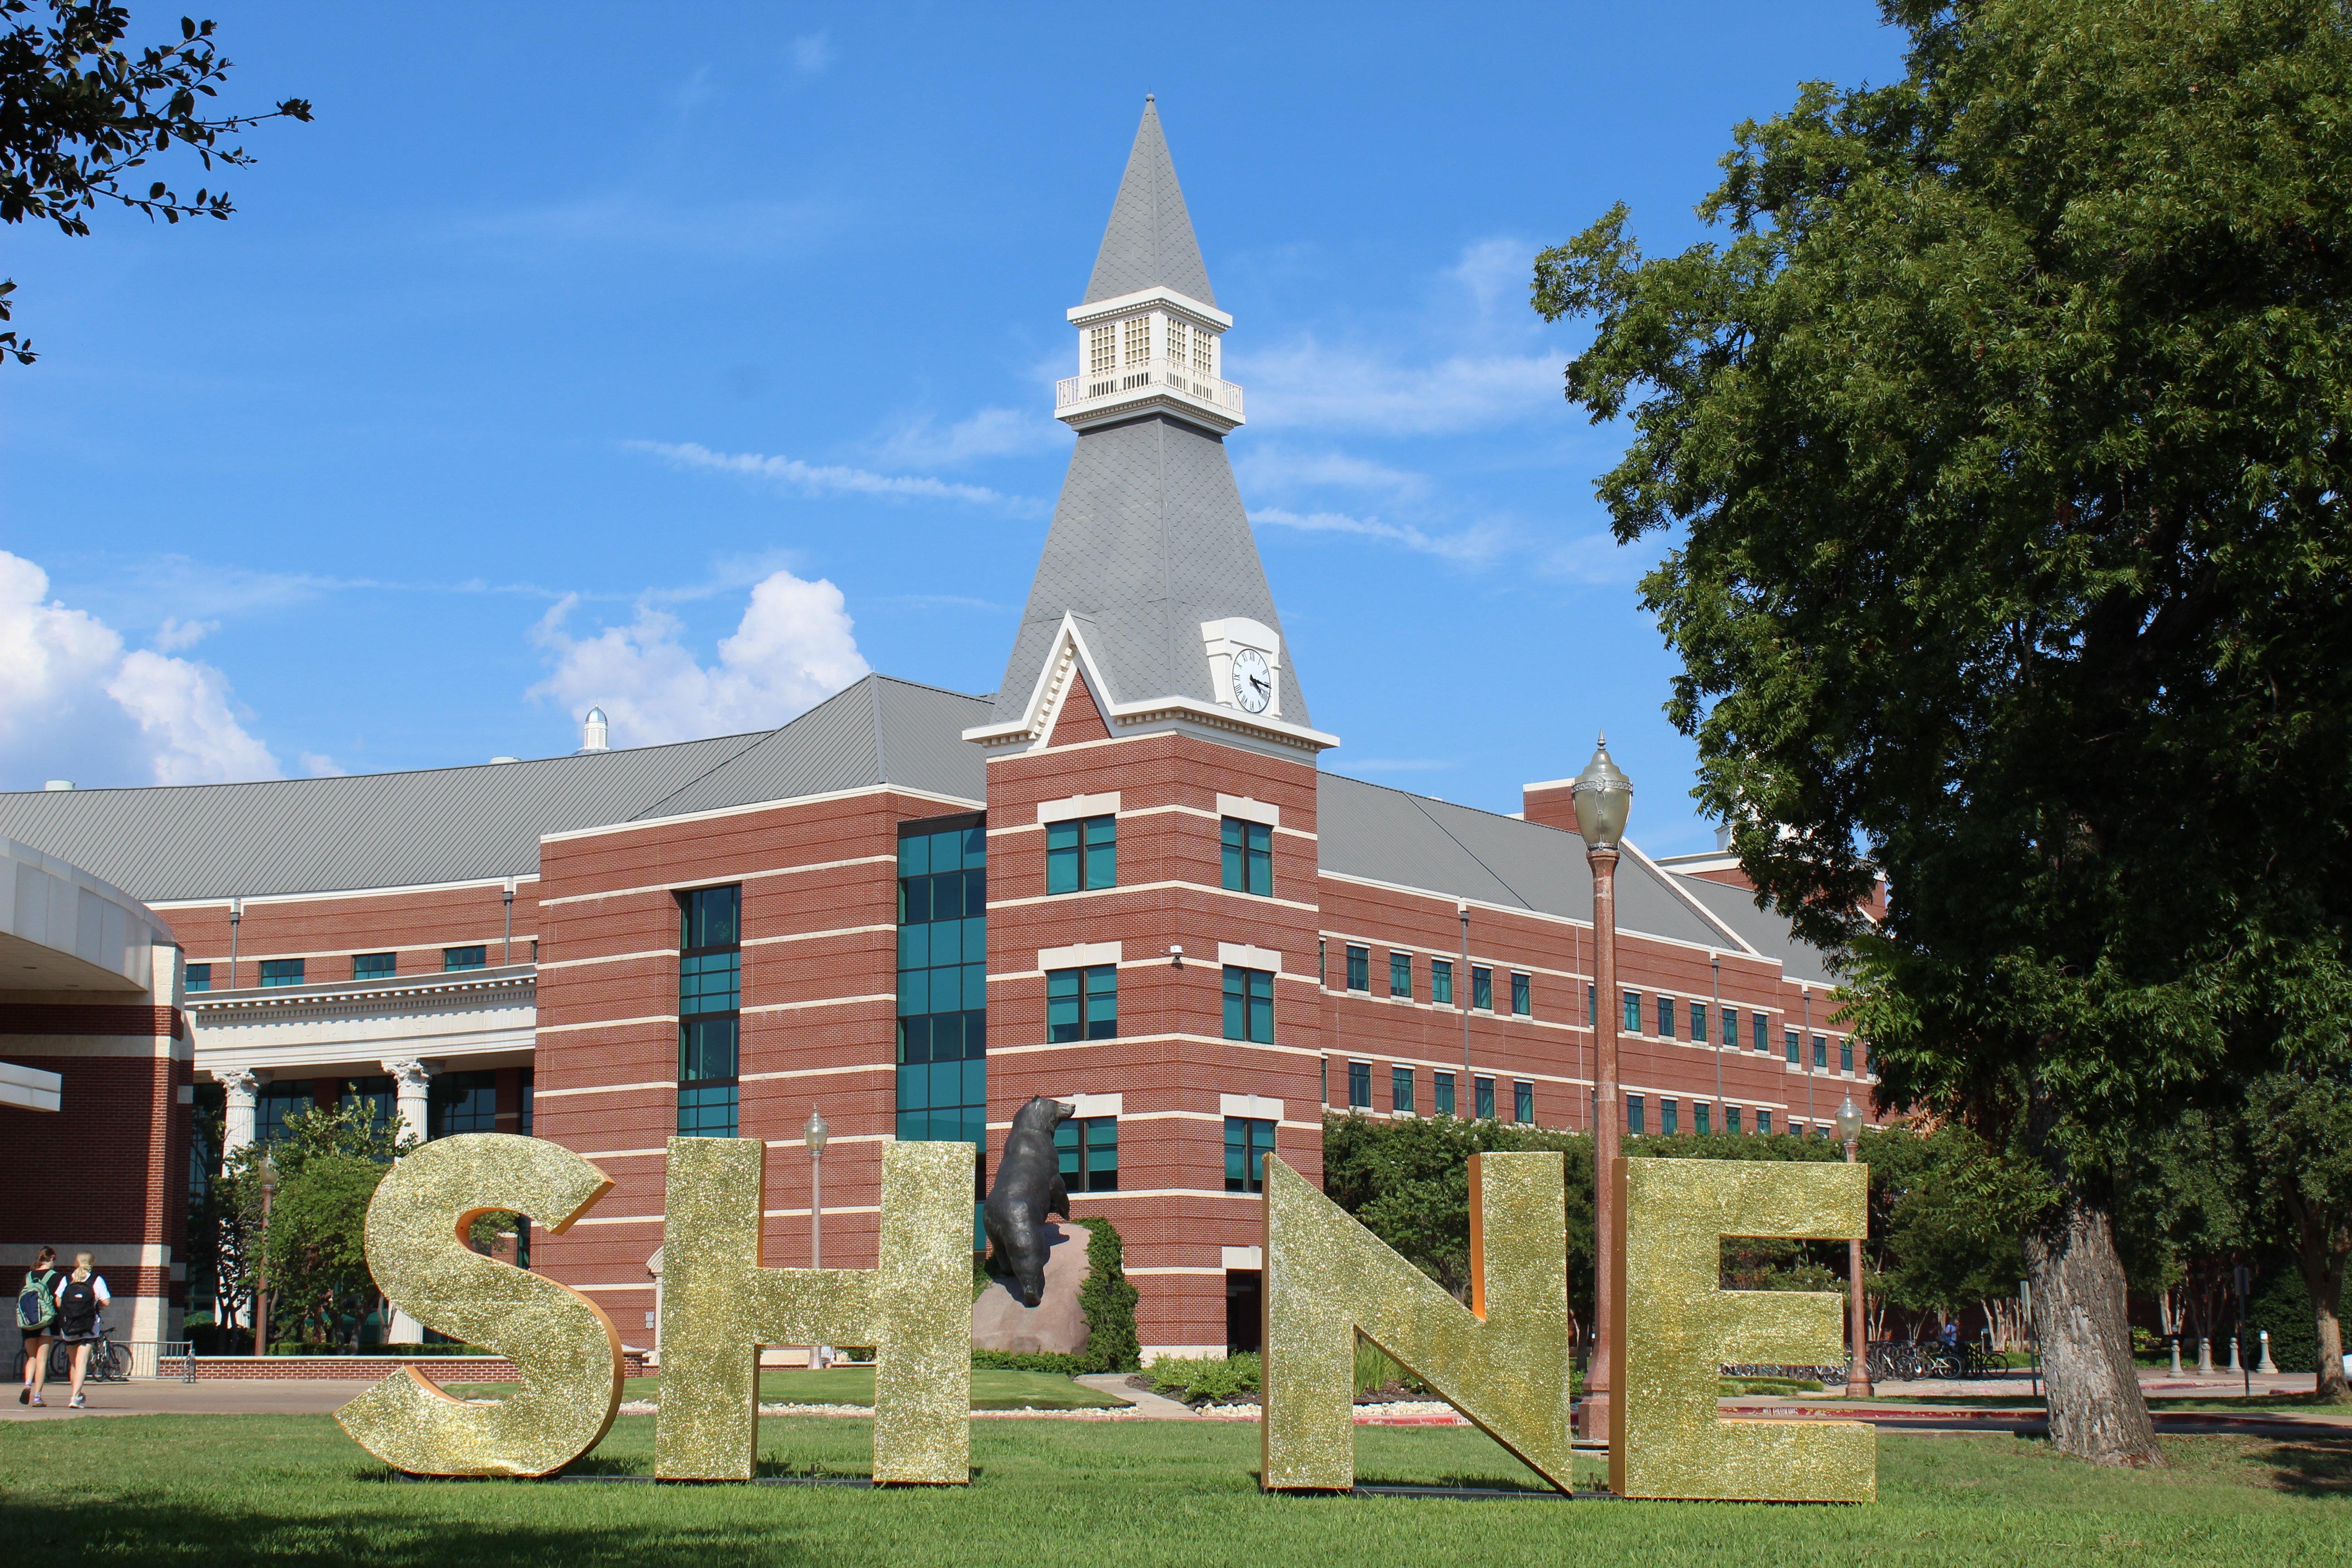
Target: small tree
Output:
[(2299, 1129), (316, 1249), (335, 1138)]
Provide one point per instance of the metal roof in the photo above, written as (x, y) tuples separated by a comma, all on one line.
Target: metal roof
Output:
[(1394, 835), (451, 824), (1149, 540), (1762, 930), (1149, 243)]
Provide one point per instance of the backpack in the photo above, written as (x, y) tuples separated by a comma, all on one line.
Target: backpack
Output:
[(77, 1308), (34, 1308)]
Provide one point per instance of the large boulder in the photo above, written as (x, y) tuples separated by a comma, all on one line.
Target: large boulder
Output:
[(1055, 1326)]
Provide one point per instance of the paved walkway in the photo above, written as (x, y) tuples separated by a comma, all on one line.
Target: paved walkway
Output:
[(223, 1396)]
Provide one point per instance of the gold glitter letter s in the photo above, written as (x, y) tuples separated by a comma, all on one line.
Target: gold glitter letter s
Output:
[(1675, 1330), (720, 1305), (1503, 1364), (561, 1342)]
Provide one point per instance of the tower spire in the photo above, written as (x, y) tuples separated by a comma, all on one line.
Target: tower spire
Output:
[(1149, 242)]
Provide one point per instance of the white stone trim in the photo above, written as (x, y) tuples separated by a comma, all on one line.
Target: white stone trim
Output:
[(1194, 310), (1072, 807), (1256, 1107), (890, 859), (539, 1094), (1251, 809), (1081, 955), (1245, 1257), (1245, 955), (718, 812), (604, 1024)]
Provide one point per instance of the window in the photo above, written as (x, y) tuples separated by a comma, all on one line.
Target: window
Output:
[(1138, 340), (1441, 1097), (465, 958), (1796, 1047), (709, 1010), (1081, 855), (1082, 1004), (1482, 987), (1591, 1007), (1698, 1023), (1702, 1119), (1440, 981), (462, 1102), (1796, 1129), (1669, 1120), (1522, 1000), (942, 1048), (1731, 1028), (281, 972), (1731, 1118), (1359, 1086), (1870, 1060), (1359, 968), (1248, 850), (200, 977), (1322, 961), (1820, 1053), (1249, 1005), (1633, 1116), (1248, 1141), (1401, 975), (527, 1087), (1665, 1017), (1761, 1033), (1633, 1012), (1523, 1102), (1088, 1149), (1400, 1089), (1763, 1121), (1204, 351), (1484, 1087), (374, 965), (1176, 345), (1102, 349), (277, 1101)]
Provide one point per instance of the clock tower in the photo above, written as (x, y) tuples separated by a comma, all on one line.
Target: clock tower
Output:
[(1152, 918)]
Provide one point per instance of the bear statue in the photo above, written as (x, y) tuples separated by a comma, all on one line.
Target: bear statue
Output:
[(1027, 1188)]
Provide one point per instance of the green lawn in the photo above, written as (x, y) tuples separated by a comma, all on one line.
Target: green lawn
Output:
[(2210, 1404), (287, 1489), (990, 1389)]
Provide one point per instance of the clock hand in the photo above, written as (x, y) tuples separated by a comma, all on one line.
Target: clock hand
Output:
[(1261, 685)]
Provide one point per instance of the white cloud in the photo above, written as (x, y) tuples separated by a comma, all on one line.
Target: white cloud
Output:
[(1304, 384), (1595, 558), (1471, 546), (812, 52), (826, 479), (1497, 272), (74, 705), (991, 433), (321, 767), (1280, 468), (175, 634), (792, 649)]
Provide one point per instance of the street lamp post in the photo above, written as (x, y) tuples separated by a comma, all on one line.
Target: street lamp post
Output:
[(815, 1134), (1602, 795), (261, 1264), (1857, 1372)]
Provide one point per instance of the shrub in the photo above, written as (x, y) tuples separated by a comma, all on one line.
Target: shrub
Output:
[(1189, 1378), (1107, 1299)]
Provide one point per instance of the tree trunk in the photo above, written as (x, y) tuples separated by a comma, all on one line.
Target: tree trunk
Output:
[(2096, 1412), (2322, 1258)]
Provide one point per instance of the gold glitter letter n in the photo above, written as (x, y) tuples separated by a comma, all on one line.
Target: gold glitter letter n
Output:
[(720, 1305), (561, 1343), (1676, 1328), (1503, 1363)]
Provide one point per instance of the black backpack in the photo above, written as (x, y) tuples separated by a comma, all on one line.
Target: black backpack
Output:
[(78, 1308)]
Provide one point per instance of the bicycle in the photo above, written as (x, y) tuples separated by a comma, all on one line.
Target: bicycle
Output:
[(108, 1362)]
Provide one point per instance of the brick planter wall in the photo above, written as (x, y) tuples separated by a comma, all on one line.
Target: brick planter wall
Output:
[(372, 1368)]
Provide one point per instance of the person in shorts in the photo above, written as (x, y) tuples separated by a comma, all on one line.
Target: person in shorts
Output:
[(83, 1295), (36, 1316)]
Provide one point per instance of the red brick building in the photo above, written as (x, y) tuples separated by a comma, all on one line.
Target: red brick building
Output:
[(1122, 880)]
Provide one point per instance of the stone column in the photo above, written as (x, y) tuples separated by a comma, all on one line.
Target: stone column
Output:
[(238, 1087), (411, 1081)]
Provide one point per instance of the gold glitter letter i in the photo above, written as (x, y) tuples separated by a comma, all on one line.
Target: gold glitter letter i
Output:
[(1675, 1330), (561, 1343), (1503, 1363), (720, 1305)]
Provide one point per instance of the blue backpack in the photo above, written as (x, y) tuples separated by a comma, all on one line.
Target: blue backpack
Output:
[(36, 1308)]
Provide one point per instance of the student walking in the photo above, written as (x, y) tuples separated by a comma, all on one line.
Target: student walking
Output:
[(36, 1316), (81, 1298)]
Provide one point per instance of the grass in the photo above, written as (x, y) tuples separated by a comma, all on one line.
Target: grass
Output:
[(990, 1390), (203, 1489), (2215, 1404)]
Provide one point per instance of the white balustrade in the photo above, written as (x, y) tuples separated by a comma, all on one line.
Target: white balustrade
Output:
[(1157, 374)]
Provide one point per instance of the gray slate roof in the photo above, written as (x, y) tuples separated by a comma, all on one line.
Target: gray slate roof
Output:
[(446, 825), (1393, 835), (1150, 242), (1148, 540), (1765, 931)]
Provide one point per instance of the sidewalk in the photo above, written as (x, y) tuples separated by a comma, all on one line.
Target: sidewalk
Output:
[(269, 1396)]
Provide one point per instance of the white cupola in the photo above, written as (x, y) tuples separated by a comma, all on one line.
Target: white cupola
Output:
[(1150, 332), (594, 731)]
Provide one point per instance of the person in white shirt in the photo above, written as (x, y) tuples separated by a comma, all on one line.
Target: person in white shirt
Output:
[(81, 1296)]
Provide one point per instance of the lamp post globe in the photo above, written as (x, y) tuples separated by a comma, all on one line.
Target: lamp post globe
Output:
[(1604, 796), (816, 1133), (1848, 1121)]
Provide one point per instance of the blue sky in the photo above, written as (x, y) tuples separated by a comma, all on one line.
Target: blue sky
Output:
[(693, 359)]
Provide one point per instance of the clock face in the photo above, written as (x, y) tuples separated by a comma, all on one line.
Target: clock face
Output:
[(1253, 680)]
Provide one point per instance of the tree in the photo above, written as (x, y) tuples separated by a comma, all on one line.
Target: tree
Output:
[(79, 113), (2007, 434), (2299, 1129), (318, 1251), (316, 1157)]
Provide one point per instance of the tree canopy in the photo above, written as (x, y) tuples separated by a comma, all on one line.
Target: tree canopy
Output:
[(2005, 445), (79, 113)]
